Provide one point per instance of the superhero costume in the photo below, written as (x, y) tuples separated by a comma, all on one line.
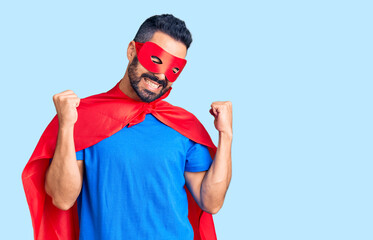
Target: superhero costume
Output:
[(169, 65), (133, 184), (99, 117)]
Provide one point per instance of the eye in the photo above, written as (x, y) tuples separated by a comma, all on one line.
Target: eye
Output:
[(156, 60), (175, 70)]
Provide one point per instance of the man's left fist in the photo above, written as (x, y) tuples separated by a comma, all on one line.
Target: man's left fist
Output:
[(222, 111)]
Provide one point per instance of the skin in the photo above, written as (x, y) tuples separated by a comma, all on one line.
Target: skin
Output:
[(64, 176)]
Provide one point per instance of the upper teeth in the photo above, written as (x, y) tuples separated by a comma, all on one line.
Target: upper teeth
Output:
[(151, 83)]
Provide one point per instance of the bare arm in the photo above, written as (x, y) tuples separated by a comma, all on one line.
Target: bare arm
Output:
[(209, 188), (64, 177)]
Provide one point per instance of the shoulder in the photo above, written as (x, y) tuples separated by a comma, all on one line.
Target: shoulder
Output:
[(186, 123), (178, 110), (100, 97), (101, 103), (104, 106)]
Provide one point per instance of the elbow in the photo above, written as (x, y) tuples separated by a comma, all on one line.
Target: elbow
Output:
[(213, 209), (59, 203), (62, 205), (211, 203)]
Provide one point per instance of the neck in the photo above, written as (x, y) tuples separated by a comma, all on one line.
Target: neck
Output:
[(126, 88)]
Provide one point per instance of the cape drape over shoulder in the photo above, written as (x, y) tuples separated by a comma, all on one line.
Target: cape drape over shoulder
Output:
[(99, 117)]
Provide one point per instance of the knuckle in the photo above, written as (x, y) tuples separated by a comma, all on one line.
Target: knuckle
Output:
[(64, 100)]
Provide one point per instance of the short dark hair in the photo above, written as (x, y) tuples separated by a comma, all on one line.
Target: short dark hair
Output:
[(165, 23)]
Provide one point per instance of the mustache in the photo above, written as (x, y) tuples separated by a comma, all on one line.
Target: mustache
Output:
[(155, 79)]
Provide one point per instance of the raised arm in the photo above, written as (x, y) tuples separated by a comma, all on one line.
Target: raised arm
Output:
[(64, 177), (209, 188)]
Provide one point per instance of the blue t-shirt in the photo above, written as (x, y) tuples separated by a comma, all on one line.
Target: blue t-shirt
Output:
[(133, 185)]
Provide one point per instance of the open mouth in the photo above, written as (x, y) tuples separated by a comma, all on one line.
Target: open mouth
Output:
[(151, 84)]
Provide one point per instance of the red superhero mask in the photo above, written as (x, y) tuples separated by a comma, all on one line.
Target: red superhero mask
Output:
[(168, 64)]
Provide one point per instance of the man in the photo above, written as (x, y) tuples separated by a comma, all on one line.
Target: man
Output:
[(131, 183)]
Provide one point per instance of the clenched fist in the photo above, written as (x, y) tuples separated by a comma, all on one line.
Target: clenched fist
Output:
[(222, 111), (66, 103)]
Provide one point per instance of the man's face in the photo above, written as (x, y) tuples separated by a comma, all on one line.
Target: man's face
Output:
[(150, 86)]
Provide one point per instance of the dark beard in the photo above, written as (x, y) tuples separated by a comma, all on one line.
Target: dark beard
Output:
[(145, 95)]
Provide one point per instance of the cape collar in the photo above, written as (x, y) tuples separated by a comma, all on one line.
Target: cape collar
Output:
[(142, 108)]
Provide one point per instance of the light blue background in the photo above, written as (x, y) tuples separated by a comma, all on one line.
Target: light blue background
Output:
[(299, 75)]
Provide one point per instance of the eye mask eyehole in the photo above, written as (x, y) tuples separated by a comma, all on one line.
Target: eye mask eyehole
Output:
[(156, 60)]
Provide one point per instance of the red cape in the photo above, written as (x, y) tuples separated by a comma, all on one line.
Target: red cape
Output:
[(99, 117)]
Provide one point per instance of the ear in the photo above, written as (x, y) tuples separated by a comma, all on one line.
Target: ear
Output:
[(131, 51)]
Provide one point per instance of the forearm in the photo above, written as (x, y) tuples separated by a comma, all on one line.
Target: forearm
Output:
[(216, 181), (63, 179)]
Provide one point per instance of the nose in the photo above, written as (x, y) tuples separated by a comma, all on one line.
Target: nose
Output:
[(160, 76)]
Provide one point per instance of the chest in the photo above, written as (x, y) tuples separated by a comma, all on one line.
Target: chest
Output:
[(148, 148)]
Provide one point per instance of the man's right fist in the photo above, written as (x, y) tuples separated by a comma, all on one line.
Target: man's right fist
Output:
[(66, 103)]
